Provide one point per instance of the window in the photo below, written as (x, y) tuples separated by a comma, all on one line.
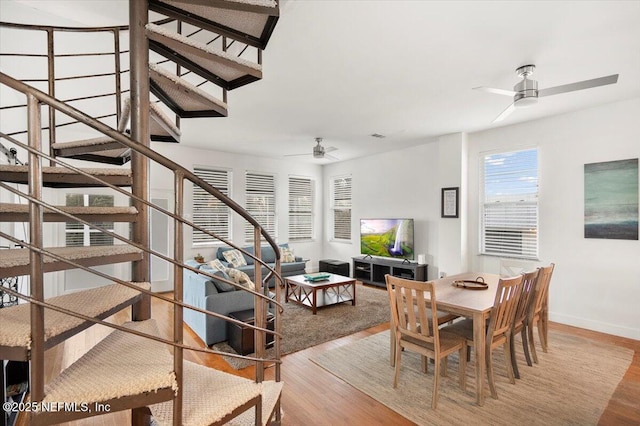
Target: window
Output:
[(208, 212), (510, 204), (80, 235), (300, 209), (260, 199), (341, 207)]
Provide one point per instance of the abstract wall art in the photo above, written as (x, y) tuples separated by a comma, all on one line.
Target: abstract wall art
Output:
[(611, 200)]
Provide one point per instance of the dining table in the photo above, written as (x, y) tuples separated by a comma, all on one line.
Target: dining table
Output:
[(470, 303)]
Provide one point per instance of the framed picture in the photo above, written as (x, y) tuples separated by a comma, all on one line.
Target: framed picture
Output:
[(450, 202), (611, 200)]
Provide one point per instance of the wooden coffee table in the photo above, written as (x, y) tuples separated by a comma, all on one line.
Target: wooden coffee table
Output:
[(335, 289)]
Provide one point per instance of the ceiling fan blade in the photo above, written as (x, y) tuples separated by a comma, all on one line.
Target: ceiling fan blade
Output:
[(504, 114), (580, 85), (331, 157), (330, 149), (496, 91), (295, 155)]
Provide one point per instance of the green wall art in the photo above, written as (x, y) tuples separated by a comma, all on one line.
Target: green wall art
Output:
[(611, 200)]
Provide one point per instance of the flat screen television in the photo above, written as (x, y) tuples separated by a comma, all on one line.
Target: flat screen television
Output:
[(387, 238)]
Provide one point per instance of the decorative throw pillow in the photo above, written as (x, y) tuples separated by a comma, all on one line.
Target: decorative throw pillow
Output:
[(235, 258), (217, 265), (287, 255), (241, 278), (221, 285)]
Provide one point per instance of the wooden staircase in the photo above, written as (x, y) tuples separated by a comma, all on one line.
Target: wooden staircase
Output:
[(132, 368)]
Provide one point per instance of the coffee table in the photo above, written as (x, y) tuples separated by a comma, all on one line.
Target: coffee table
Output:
[(335, 289)]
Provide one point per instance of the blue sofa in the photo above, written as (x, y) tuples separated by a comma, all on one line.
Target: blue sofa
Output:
[(205, 293)]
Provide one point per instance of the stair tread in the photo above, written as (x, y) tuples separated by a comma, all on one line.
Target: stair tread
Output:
[(249, 21), (120, 365), (222, 68), (99, 149), (161, 127), (157, 29), (15, 262), (16, 323), (184, 98), (209, 395), (271, 392), (62, 177)]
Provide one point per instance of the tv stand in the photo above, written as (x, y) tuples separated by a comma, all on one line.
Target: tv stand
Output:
[(371, 270)]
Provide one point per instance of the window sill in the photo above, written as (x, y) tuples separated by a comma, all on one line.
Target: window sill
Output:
[(334, 240), (505, 256)]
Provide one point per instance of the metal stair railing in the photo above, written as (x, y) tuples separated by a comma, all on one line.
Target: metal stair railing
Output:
[(110, 112), (34, 99)]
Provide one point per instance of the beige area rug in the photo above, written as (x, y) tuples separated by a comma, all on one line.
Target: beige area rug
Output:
[(302, 329), (571, 385)]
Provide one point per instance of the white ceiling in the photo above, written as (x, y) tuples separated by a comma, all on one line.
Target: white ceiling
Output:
[(343, 70)]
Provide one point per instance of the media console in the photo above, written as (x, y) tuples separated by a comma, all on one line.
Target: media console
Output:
[(371, 270)]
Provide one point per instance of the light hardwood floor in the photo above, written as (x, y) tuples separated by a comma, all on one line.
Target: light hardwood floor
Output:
[(312, 396)]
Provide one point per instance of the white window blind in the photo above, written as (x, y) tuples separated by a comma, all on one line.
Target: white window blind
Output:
[(80, 235), (209, 212), (510, 204), (341, 207), (300, 209), (260, 189)]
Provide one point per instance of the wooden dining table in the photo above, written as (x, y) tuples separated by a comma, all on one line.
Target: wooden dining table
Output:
[(475, 304)]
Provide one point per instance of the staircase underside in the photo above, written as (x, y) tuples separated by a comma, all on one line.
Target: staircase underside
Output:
[(20, 213), (221, 68), (15, 262), (60, 177), (251, 22), (101, 302)]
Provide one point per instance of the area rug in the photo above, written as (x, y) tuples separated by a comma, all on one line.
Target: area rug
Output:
[(302, 329), (571, 385)]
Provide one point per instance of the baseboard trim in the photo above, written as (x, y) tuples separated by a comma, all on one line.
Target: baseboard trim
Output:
[(602, 327)]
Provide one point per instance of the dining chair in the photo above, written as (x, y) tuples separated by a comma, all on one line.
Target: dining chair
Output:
[(413, 313), (537, 314), (499, 329), (519, 320)]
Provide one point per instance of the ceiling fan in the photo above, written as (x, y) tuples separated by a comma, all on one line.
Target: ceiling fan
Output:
[(526, 92), (319, 151)]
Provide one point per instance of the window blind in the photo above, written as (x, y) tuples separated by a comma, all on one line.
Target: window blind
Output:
[(510, 204), (80, 235), (341, 206), (260, 197), (209, 212), (300, 209)]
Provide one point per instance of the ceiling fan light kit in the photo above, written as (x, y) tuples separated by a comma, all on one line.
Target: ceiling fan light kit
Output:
[(318, 150), (525, 93)]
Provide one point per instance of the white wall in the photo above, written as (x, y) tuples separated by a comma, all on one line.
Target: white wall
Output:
[(162, 182), (403, 183), (596, 283)]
